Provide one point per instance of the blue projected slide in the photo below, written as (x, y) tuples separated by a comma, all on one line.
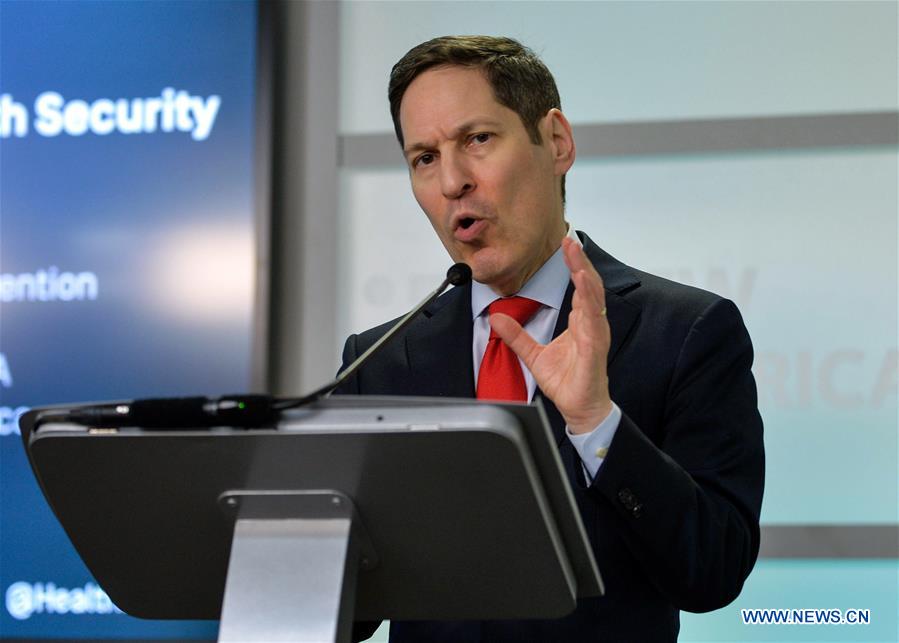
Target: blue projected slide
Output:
[(127, 250)]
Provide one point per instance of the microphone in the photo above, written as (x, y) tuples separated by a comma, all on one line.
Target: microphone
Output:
[(459, 274), (171, 413), (246, 411)]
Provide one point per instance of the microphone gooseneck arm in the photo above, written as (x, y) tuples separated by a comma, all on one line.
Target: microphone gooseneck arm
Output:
[(458, 274), (242, 410)]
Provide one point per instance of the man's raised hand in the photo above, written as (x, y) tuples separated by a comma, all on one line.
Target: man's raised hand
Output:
[(571, 369)]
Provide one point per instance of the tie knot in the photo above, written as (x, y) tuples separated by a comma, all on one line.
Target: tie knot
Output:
[(521, 309)]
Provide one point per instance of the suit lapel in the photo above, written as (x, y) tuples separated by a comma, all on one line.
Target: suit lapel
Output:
[(617, 279), (438, 348)]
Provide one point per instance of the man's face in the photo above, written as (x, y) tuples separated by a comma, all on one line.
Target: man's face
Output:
[(492, 196)]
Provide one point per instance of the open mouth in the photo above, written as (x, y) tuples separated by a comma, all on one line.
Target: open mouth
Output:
[(467, 229)]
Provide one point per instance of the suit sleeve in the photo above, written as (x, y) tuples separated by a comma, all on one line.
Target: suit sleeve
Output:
[(688, 504)]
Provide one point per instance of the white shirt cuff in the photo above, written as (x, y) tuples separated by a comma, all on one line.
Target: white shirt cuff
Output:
[(592, 447)]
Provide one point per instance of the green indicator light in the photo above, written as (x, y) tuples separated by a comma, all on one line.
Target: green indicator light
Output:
[(241, 405)]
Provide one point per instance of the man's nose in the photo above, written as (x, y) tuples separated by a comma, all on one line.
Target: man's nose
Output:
[(456, 177)]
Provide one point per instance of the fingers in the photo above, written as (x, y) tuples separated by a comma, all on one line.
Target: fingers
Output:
[(586, 322), (589, 294), (574, 255), (516, 337)]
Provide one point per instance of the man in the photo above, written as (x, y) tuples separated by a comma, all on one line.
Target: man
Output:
[(647, 383)]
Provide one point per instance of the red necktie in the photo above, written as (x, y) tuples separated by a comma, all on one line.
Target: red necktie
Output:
[(500, 376)]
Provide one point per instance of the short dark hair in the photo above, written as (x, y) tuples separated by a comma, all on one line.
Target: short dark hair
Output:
[(519, 79)]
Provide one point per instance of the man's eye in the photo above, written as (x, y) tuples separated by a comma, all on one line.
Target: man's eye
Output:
[(483, 137), (424, 159)]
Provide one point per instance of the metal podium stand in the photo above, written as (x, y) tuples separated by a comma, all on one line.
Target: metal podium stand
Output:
[(308, 548), (353, 508)]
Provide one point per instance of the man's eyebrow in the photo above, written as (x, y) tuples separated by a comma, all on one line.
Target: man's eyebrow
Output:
[(458, 132), (416, 147)]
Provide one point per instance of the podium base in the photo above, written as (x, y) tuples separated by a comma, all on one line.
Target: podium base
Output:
[(292, 570)]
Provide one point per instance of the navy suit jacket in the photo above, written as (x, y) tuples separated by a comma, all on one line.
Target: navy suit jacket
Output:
[(673, 514)]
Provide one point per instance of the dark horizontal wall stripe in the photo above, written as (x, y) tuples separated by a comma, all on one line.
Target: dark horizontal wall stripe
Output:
[(647, 138), (369, 150), (738, 134), (830, 541)]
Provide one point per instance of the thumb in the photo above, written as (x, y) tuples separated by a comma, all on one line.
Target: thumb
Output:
[(516, 338)]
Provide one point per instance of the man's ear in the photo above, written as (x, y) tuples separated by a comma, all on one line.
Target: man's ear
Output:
[(561, 140)]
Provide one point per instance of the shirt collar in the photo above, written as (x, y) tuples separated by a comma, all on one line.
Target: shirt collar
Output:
[(547, 285)]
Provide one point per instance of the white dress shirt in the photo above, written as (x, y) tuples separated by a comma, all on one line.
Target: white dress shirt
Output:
[(547, 286)]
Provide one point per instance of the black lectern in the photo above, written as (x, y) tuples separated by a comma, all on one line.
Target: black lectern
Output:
[(354, 507)]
